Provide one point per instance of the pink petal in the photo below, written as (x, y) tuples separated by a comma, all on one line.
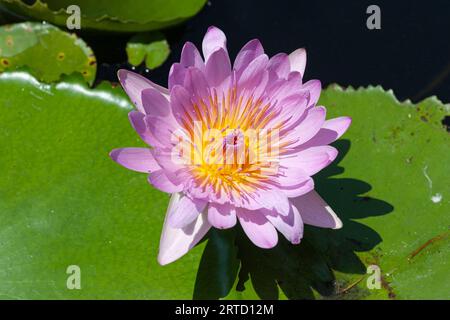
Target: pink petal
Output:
[(299, 189), (339, 125), (256, 226), (291, 226), (195, 83), (282, 88), (160, 129), (316, 212), (190, 57), (292, 110), (137, 120), (297, 60), (177, 73), (221, 216), (176, 242), (218, 67), (168, 159), (259, 86), (180, 100), (313, 159), (251, 75), (133, 85), (279, 64), (164, 181), (213, 40), (185, 212), (331, 130), (137, 159), (273, 199), (155, 103), (249, 52), (307, 128), (290, 173), (314, 87)]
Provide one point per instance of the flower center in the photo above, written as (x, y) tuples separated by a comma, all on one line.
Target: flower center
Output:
[(232, 146)]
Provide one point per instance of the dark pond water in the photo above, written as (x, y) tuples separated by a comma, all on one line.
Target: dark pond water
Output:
[(410, 54)]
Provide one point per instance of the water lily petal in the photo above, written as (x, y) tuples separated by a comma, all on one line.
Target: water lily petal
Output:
[(251, 75), (314, 87), (161, 129), (307, 128), (185, 212), (291, 225), (298, 189), (168, 159), (137, 120), (280, 64), (190, 56), (249, 52), (313, 159), (137, 159), (293, 109), (218, 67), (297, 60), (133, 84), (165, 181), (256, 226), (316, 212), (221, 216), (154, 103), (339, 125), (214, 39), (177, 73), (197, 85), (181, 104), (273, 199), (290, 173), (331, 130), (176, 242)]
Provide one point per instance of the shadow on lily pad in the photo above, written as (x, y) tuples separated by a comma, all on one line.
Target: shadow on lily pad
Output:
[(230, 260)]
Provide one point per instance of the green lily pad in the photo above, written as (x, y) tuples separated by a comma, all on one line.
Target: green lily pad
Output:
[(389, 186), (399, 150), (149, 47), (111, 15), (63, 202), (46, 50)]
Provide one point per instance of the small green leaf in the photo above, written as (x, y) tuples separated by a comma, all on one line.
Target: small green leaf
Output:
[(111, 15), (46, 50), (151, 47)]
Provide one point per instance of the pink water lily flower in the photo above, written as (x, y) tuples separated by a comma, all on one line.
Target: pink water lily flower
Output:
[(233, 142)]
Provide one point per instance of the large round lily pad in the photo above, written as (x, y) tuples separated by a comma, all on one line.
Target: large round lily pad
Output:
[(46, 51), (389, 185), (110, 15), (64, 202)]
